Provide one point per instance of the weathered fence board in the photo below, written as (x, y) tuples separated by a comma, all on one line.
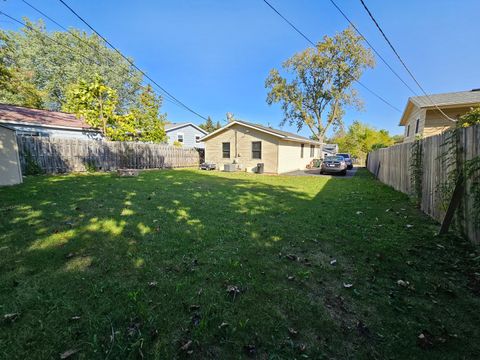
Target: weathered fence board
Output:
[(439, 160), (60, 155)]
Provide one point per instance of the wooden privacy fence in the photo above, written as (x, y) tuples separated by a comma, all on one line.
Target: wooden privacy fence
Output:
[(439, 161), (60, 155)]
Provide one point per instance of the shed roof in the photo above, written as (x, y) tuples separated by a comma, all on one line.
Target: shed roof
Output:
[(11, 114), (173, 126)]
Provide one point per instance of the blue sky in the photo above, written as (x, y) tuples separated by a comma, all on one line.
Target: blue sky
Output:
[(215, 55)]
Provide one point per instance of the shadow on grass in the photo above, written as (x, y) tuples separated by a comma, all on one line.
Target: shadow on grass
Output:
[(131, 267)]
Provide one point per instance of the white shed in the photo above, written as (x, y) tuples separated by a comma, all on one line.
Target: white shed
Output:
[(10, 170)]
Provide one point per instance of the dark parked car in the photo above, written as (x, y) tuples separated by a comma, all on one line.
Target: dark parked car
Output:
[(348, 160), (334, 165)]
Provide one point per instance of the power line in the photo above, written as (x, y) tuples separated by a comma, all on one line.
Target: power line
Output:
[(371, 46), (312, 43), (132, 63), (106, 56), (402, 62)]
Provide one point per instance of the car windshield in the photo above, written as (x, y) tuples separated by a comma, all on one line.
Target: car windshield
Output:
[(346, 156), (333, 158)]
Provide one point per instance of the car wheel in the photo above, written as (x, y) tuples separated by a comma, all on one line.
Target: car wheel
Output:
[(344, 172), (321, 172)]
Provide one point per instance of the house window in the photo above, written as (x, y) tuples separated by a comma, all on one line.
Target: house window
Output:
[(197, 138), (256, 149), (312, 150), (302, 147), (408, 130), (417, 126), (226, 150), (180, 137)]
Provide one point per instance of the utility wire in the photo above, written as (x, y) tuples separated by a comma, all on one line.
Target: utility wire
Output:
[(312, 43), (132, 63), (371, 46), (106, 56), (402, 62)]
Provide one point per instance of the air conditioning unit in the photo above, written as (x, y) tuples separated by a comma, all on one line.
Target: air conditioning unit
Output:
[(229, 167)]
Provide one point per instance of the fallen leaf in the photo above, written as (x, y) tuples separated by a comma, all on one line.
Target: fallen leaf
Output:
[(233, 290), (425, 340), (223, 325), (347, 286), (69, 255), (11, 317), (403, 283), (187, 345), (359, 212), (68, 353), (291, 277), (409, 226), (152, 284), (292, 332), (333, 262), (75, 318)]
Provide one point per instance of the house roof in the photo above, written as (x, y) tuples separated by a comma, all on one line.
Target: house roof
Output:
[(174, 126), (460, 98), (285, 135), (11, 114)]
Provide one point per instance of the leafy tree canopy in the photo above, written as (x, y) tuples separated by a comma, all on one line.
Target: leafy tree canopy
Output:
[(361, 138), (318, 82), (209, 127), (42, 69)]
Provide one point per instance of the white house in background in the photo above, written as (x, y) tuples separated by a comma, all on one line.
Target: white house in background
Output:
[(188, 134), (35, 122)]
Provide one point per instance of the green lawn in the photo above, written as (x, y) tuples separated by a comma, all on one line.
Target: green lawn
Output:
[(125, 268)]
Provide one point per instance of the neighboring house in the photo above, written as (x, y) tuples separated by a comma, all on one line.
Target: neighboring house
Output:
[(248, 144), (34, 122), (10, 171), (187, 134), (422, 118)]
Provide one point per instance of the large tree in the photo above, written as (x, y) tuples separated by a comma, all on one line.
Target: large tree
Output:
[(318, 82), (209, 127), (361, 138), (50, 66)]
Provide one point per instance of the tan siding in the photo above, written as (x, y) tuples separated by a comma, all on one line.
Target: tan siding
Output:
[(436, 123), (419, 114), (289, 158), (240, 139)]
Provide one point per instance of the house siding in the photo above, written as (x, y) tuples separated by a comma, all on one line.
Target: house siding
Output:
[(289, 156), (189, 133), (435, 122), (10, 172), (416, 114), (240, 139), (53, 132)]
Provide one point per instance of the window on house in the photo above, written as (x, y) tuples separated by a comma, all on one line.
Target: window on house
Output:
[(256, 149), (417, 126), (226, 150), (312, 150), (408, 130), (197, 138), (180, 138), (302, 147)]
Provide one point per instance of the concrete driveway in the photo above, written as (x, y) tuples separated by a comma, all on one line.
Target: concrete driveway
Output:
[(316, 172)]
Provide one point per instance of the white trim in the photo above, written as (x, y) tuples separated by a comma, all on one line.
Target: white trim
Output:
[(186, 124), (24, 123)]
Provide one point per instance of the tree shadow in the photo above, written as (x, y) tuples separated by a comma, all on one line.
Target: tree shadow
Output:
[(131, 256)]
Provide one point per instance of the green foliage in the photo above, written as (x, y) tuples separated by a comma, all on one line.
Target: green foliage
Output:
[(471, 118), (31, 165), (149, 123), (318, 82), (209, 127), (177, 143), (46, 68), (94, 101), (416, 169), (360, 139), (91, 166)]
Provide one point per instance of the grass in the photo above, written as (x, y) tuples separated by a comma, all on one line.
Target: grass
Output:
[(128, 268)]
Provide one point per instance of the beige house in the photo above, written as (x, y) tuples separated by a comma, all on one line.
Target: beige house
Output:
[(422, 118), (248, 144), (10, 171)]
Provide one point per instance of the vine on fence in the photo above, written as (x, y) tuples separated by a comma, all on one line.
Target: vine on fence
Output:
[(470, 169), (416, 169), (31, 166)]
